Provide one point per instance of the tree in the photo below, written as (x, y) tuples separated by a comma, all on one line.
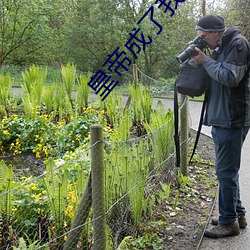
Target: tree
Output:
[(21, 21), (237, 13), (99, 27)]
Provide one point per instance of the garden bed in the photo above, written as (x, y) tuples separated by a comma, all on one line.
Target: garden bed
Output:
[(178, 222)]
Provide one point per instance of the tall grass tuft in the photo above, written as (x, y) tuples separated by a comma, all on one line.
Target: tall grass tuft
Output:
[(5, 89), (83, 91), (6, 184), (113, 108), (126, 172), (56, 184), (68, 74), (33, 86), (161, 128), (141, 106), (48, 98)]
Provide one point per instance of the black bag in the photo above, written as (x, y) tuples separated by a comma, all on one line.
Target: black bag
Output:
[(192, 80)]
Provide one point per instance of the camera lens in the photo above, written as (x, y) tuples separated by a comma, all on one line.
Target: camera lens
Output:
[(190, 51), (187, 53)]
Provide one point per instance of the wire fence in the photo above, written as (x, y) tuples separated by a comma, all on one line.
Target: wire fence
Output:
[(55, 210)]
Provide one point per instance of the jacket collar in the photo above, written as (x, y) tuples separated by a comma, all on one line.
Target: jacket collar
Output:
[(231, 32)]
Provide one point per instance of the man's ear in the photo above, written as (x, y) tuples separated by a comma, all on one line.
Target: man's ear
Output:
[(219, 34)]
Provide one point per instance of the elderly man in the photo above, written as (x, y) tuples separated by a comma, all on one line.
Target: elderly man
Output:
[(228, 112)]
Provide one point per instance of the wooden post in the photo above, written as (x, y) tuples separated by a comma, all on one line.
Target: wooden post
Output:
[(80, 218), (98, 195), (135, 74)]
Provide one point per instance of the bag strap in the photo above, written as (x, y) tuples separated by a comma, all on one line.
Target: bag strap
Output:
[(176, 126), (199, 127)]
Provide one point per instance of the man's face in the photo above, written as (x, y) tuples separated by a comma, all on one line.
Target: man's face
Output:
[(211, 38)]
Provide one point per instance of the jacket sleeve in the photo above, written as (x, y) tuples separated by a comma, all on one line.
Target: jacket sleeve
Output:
[(234, 66)]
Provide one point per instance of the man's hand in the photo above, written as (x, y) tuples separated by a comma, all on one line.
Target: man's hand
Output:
[(200, 58)]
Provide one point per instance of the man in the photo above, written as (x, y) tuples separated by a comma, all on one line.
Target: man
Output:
[(228, 112)]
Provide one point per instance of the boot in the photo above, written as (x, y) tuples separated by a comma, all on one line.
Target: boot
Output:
[(221, 231), (241, 219)]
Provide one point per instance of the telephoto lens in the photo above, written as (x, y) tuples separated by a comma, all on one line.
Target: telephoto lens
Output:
[(190, 50)]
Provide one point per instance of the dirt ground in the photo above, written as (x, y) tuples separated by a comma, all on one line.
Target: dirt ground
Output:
[(187, 223)]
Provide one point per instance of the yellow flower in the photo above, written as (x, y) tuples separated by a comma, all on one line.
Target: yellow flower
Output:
[(38, 155), (14, 209), (73, 199), (16, 152), (103, 112), (31, 187), (45, 151), (6, 132), (37, 196), (69, 211)]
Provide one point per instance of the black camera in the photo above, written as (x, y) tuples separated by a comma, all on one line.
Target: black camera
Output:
[(190, 51)]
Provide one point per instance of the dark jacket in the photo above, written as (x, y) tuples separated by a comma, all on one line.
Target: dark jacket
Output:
[(229, 90)]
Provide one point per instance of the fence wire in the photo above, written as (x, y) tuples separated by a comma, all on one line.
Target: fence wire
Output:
[(43, 210)]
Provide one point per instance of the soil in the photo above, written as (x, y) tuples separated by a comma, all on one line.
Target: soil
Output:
[(25, 164), (186, 223)]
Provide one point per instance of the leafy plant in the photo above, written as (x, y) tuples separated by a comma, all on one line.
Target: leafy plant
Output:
[(30, 208), (22, 245), (33, 85), (176, 199), (164, 192), (147, 241), (68, 74), (6, 184), (184, 181), (126, 173), (43, 137), (83, 91), (56, 187), (113, 108), (161, 126), (5, 90), (48, 98), (141, 104)]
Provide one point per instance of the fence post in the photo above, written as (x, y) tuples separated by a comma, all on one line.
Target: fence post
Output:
[(98, 195), (184, 135), (80, 218), (135, 74), (135, 82)]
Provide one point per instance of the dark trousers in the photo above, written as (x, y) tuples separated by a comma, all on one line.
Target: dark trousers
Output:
[(228, 145)]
